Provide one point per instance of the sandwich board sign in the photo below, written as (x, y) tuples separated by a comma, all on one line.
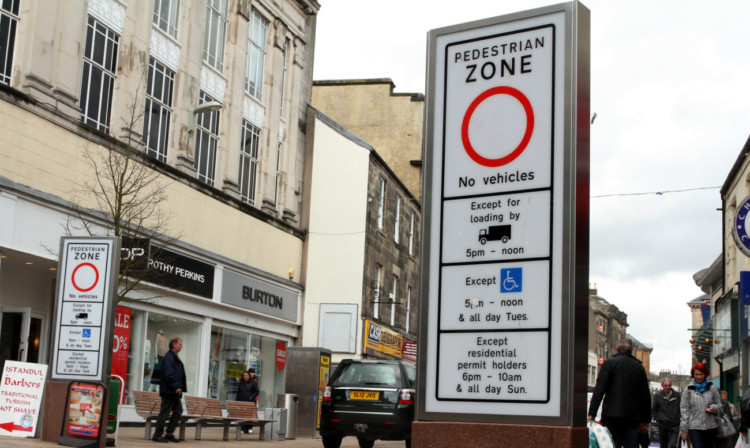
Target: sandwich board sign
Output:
[(506, 217)]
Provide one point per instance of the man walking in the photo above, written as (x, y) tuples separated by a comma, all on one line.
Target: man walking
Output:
[(623, 381), (666, 412), (172, 384)]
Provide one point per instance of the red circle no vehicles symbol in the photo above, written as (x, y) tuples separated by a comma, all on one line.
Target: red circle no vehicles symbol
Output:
[(501, 90), (82, 280)]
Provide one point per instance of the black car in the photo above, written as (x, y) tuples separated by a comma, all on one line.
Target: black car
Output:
[(369, 399)]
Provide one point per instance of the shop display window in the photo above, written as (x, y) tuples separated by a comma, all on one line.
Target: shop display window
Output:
[(233, 352), (150, 333)]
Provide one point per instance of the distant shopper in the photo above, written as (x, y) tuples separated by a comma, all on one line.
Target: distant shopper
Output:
[(734, 417), (172, 384), (623, 385), (700, 406), (666, 413), (247, 390)]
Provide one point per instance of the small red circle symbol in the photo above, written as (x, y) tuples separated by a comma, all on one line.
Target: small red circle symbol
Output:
[(96, 277), (501, 90)]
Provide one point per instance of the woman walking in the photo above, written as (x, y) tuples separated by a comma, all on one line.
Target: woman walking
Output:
[(699, 408), (248, 391)]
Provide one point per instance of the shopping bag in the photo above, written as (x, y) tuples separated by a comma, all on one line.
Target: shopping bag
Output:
[(743, 441), (683, 443), (600, 437), (725, 427)]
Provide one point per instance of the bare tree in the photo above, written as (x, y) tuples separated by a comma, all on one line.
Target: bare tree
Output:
[(129, 196)]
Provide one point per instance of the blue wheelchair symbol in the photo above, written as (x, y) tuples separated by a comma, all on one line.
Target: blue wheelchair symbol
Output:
[(511, 280), (86, 332)]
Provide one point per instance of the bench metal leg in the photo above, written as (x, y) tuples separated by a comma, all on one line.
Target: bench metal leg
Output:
[(198, 430), (226, 431), (182, 431), (262, 435), (239, 432), (148, 429)]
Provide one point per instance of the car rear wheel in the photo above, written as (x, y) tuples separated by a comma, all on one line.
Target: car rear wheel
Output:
[(332, 441), (365, 443)]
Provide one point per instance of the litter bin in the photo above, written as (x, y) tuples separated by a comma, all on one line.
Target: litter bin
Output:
[(275, 430), (289, 402)]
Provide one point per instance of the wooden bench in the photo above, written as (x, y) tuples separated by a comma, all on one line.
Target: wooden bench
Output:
[(247, 412), (148, 405), (207, 411)]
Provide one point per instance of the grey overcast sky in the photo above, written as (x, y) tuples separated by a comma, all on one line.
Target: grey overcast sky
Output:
[(670, 83)]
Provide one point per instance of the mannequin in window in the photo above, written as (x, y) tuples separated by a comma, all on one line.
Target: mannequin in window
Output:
[(162, 345)]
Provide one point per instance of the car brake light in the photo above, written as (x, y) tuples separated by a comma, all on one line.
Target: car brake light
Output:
[(406, 396), (327, 393)]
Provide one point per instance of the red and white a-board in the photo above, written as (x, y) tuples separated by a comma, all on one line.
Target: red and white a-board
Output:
[(20, 396)]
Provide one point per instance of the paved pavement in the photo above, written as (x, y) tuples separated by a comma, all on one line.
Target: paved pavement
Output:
[(132, 437)]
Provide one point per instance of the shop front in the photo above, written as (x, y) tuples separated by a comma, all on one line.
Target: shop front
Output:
[(383, 343), (230, 316)]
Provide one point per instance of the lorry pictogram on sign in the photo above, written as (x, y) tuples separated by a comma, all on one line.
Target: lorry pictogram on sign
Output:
[(495, 233)]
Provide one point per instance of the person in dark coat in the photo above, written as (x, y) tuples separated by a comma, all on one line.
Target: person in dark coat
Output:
[(666, 413), (248, 390), (172, 384), (623, 385)]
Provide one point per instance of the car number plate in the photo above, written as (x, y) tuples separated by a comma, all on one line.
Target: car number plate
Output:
[(364, 395)]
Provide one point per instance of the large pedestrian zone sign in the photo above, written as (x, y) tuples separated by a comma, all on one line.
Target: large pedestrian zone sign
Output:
[(499, 190), (84, 306)]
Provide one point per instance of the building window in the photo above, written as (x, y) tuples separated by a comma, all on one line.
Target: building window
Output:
[(206, 141), (408, 308), (283, 76), (256, 54), (396, 226), (158, 109), (166, 15), (378, 282), (216, 30), (394, 293), (381, 204), (8, 23), (99, 62), (277, 184), (248, 161), (411, 234)]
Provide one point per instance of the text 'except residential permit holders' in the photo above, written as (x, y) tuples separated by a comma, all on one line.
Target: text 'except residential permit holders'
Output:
[(495, 366)]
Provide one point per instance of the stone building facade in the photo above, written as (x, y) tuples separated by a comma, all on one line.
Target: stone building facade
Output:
[(391, 122), (211, 97), (361, 268)]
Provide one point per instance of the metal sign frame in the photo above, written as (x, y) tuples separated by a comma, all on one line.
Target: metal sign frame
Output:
[(562, 400), (97, 297)]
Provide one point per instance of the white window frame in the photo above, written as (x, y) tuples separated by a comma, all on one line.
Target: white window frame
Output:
[(215, 33), (396, 226), (256, 55), (376, 302), (169, 20), (408, 308), (206, 126), (283, 75), (98, 115), (277, 184), (381, 204), (160, 106), (392, 297), (411, 234), (249, 148), (9, 25)]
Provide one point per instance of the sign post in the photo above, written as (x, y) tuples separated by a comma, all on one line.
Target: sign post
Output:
[(505, 254), (83, 335)]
